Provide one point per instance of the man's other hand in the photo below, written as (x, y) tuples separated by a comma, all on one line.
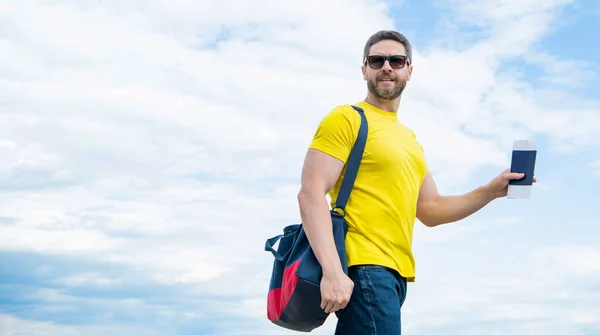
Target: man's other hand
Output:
[(336, 289), (498, 187)]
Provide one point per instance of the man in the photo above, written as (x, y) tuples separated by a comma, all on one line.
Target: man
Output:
[(393, 187)]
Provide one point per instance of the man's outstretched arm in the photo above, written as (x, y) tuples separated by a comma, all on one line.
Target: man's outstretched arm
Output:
[(319, 174), (434, 209)]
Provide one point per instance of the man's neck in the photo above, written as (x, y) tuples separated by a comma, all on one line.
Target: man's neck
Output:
[(385, 105)]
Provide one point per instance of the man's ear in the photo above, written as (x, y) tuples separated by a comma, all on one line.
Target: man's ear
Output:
[(364, 72), (410, 69)]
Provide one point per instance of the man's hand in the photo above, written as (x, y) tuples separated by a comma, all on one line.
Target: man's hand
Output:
[(498, 187), (336, 289)]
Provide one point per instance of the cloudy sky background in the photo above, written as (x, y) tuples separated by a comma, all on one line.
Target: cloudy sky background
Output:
[(148, 149)]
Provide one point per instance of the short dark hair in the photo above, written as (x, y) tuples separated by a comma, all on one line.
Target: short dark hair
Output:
[(388, 35)]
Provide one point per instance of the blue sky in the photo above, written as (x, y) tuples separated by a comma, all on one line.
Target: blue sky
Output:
[(147, 151)]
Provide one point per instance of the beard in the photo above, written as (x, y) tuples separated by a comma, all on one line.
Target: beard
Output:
[(386, 93)]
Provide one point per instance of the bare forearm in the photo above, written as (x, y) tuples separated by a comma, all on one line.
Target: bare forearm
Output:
[(316, 219), (446, 209)]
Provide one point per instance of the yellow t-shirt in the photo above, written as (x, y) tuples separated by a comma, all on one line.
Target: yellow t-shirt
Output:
[(381, 210)]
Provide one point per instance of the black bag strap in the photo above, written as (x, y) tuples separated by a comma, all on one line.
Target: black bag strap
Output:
[(353, 163)]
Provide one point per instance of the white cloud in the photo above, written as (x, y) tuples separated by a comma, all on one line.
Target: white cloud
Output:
[(595, 167), (168, 136), (570, 73), (11, 325), (91, 279), (551, 290)]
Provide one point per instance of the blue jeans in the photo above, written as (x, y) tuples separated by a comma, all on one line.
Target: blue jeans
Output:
[(374, 307)]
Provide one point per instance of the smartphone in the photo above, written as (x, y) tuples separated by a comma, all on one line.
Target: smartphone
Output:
[(523, 159)]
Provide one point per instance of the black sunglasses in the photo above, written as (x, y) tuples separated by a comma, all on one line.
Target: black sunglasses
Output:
[(396, 62)]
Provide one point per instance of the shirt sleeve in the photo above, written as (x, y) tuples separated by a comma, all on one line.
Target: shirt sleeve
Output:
[(336, 134)]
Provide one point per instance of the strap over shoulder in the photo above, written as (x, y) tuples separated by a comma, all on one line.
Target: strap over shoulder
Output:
[(353, 163)]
